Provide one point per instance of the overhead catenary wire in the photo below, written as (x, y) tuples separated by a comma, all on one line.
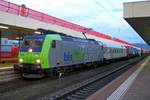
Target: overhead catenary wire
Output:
[(53, 7), (67, 17), (111, 4), (107, 11)]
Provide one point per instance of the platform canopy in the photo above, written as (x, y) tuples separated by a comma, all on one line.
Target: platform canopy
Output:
[(137, 14)]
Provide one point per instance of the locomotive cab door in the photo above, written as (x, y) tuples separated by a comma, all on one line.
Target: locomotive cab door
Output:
[(55, 54)]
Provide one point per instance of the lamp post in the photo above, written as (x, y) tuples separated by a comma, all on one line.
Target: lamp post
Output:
[(86, 30)]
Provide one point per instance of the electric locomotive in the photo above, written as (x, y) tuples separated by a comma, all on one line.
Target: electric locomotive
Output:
[(52, 52), (40, 55)]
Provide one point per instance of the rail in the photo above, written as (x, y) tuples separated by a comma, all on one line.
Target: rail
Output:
[(8, 74)]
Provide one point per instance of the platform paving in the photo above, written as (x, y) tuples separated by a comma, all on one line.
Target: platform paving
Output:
[(140, 89), (134, 84)]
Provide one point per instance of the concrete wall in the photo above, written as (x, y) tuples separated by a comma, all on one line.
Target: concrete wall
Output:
[(137, 9)]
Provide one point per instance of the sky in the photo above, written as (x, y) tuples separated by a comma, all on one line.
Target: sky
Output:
[(105, 16)]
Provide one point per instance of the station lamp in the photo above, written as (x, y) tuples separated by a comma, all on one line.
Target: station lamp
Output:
[(37, 32), (4, 27)]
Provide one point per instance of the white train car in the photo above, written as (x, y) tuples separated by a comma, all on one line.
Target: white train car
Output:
[(113, 50)]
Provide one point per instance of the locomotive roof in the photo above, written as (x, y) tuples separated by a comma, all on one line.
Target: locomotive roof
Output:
[(76, 39)]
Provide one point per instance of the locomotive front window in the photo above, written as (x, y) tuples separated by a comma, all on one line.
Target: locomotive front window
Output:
[(32, 43)]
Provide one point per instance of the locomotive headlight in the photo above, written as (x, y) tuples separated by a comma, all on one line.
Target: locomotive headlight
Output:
[(38, 61), (20, 60), (30, 50)]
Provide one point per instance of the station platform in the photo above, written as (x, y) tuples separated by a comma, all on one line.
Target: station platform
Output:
[(131, 85), (140, 89)]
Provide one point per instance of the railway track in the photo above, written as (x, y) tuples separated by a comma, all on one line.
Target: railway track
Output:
[(87, 87), (8, 75), (49, 87)]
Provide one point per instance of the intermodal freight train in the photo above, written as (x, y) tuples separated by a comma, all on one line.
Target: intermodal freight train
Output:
[(48, 53)]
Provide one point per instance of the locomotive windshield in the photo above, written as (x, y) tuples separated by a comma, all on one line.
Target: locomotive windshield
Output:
[(34, 42)]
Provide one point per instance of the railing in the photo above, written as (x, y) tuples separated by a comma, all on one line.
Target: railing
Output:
[(27, 12)]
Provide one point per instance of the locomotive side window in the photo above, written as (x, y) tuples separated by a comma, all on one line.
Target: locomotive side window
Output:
[(54, 44)]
